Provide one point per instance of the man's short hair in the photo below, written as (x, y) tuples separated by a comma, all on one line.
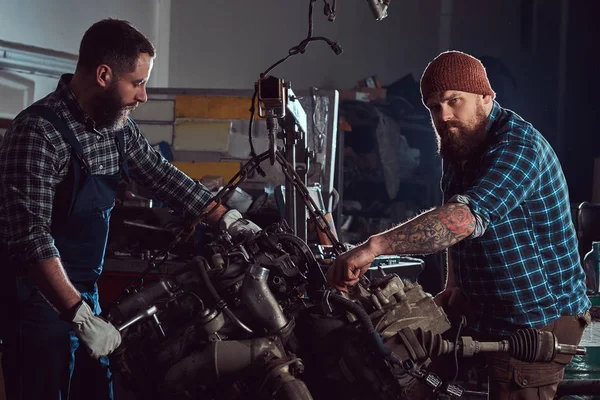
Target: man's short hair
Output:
[(113, 42)]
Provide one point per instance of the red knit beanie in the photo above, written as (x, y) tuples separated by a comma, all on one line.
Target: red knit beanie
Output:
[(454, 70)]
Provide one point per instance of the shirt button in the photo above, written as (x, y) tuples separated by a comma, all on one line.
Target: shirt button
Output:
[(525, 382), (101, 167)]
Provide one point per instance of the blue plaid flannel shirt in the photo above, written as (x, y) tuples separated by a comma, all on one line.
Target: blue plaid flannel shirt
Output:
[(520, 268)]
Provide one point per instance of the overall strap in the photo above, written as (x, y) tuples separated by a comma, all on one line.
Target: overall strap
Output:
[(121, 146), (79, 163)]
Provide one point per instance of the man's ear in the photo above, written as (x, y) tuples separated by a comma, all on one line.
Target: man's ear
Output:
[(487, 99), (104, 75)]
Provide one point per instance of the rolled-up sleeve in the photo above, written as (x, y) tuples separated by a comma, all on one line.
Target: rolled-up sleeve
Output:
[(28, 180), (149, 168), (509, 173)]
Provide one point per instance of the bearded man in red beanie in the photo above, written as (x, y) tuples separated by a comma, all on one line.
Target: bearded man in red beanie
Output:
[(506, 223)]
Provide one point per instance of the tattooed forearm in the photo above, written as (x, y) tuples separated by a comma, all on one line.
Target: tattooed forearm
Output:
[(432, 231)]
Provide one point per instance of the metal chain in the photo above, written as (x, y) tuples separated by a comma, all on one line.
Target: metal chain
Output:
[(188, 231), (233, 183), (314, 212)]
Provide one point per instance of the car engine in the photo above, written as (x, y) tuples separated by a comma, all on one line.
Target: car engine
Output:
[(252, 317)]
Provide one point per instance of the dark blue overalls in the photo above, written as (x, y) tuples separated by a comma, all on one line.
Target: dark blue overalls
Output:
[(43, 355)]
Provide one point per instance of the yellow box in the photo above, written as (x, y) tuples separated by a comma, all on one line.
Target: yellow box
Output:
[(213, 107), (198, 170), (202, 135)]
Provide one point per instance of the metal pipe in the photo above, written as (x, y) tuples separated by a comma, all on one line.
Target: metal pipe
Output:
[(143, 299), (146, 226), (142, 315), (290, 190), (301, 167), (259, 299), (220, 359), (221, 304)]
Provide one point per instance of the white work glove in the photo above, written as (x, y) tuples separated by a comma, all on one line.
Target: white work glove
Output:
[(99, 335), (233, 222)]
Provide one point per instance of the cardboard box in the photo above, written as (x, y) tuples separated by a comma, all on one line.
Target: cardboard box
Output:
[(364, 94), (370, 82)]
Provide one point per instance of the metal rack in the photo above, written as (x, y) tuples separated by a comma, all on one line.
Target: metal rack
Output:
[(167, 109)]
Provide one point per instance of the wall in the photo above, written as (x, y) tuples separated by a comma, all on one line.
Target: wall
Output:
[(527, 42), (582, 86), (16, 93), (228, 44), (545, 45), (60, 24)]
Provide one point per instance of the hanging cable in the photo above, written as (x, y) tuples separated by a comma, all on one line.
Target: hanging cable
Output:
[(298, 49), (463, 323)]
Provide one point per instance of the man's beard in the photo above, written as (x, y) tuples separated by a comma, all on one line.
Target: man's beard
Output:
[(464, 140), (108, 111)]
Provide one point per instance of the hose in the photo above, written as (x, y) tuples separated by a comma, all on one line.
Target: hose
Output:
[(221, 304), (293, 389), (363, 317)]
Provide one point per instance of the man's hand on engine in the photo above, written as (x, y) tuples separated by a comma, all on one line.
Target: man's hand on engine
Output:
[(348, 267), (233, 222), (99, 335)]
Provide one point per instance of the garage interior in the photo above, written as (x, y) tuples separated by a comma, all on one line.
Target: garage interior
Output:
[(353, 153)]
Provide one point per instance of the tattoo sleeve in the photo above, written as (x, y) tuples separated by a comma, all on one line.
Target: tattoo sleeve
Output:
[(431, 231)]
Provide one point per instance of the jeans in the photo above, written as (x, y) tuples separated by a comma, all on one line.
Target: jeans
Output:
[(43, 359)]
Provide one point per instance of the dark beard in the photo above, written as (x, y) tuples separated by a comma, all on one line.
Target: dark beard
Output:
[(464, 144), (108, 111)]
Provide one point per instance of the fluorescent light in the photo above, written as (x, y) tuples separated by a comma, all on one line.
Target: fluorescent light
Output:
[(35, 60)]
